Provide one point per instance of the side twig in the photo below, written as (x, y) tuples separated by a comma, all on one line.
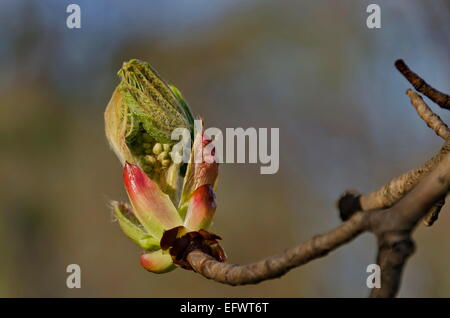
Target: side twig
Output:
[(428, 116), (393, 228), (443, 100), (390, 193)]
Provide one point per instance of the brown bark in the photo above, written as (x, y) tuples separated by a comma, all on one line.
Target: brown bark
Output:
[(393, 228), (423, 87), (395, 210)]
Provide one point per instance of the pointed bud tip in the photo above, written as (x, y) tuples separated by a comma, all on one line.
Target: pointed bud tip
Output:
[(133, 176)]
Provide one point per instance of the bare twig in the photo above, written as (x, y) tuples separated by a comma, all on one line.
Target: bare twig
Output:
[(423, 87), (277, 265), (393, 227), (433, 214), (429, 117), (390, 193), (397, 207), (392, 257), (394, 239), (441, 129), (394, 190)]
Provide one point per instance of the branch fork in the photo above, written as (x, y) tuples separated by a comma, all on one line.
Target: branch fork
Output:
[(391, 213)]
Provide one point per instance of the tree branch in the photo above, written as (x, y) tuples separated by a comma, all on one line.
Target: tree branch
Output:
[(433, 214), (392, 257), (393, 228), (423, 87), (428, 116), (389, 194), (277, 265), (396, 208)]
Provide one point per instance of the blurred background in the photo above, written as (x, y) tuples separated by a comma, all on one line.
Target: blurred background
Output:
[(311, 68)]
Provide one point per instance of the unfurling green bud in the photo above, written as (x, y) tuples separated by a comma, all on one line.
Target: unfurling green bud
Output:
[(140, 118), (151, 101)]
